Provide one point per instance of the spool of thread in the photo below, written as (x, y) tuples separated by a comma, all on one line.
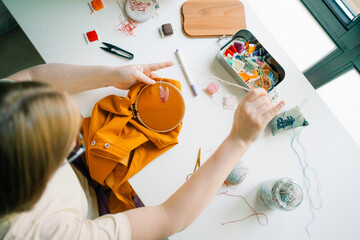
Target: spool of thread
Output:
[(238, 65), (233, 49), (252, 48), (230, 102), (229, 61), (91, 36), (238, 174), (166, 30), (239, 47), (96, 5), (212, 88), (283, 194)]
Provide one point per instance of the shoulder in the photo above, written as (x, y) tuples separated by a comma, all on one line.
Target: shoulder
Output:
[(62, 213), (62, 201), (62, 226)]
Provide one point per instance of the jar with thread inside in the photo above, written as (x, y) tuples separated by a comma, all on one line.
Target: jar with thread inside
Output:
[(283, 194)]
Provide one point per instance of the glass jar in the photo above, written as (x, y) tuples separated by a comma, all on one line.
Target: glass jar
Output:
[(283, 194)]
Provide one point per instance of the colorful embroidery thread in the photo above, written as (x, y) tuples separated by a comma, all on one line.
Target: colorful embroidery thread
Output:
[(138, 6), (164, 94)]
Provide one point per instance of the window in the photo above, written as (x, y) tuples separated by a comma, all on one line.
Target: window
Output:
[(344, 105), (341, 21), (347, 11)]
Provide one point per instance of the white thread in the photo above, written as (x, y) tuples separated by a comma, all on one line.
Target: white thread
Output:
[(217, 78)]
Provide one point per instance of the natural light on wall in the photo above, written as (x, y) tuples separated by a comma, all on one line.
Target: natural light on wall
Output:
[(347, 114), (304, 40), (295, 30)]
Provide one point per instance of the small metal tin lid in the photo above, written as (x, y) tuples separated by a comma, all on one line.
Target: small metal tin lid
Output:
[(139, 10)]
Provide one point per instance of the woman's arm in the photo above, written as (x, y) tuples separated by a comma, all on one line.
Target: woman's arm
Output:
[(78, 78), (186, 204)]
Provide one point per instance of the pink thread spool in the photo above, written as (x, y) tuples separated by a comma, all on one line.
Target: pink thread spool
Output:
[(212, 88), (230, 102)]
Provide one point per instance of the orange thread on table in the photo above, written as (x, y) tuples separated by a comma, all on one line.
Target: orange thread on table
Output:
[(127, 26)]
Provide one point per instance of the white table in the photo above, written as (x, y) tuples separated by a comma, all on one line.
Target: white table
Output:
[(56, 27)]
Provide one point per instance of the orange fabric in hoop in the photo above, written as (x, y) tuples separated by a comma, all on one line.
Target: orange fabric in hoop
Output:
[(118, 146), (156, 114)]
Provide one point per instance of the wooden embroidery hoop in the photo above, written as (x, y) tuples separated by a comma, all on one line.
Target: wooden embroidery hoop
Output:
[(156, 115)]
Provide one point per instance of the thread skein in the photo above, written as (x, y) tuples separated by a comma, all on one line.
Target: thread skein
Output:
[(96, 5), (238, 174)]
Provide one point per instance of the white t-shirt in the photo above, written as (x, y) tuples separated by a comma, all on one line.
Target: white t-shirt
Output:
[(67, 210), (63, 213)]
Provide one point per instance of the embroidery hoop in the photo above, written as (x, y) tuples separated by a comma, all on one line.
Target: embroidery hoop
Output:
[(144, 119), (141, 15)]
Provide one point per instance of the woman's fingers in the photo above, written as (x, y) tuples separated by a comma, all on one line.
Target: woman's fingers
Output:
[(154, 75), (261, 105), (145, 71), (266, 110), (262, 109), (269, 115), (254, 94), (143, 78), (258, 102), (157, 66)]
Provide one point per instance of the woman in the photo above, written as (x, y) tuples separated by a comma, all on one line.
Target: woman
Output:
[(41, 197)]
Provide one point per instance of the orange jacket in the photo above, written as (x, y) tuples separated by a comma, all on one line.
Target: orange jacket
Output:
[(118, 146)]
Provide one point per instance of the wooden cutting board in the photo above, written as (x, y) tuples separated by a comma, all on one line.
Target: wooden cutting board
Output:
[(212, 18)]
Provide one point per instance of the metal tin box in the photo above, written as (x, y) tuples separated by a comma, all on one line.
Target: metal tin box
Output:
[(266, 58)]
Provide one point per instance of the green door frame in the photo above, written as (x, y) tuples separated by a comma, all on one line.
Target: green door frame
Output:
[(346, 37)]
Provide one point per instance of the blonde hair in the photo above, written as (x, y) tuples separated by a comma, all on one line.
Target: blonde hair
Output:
[(38, 126)]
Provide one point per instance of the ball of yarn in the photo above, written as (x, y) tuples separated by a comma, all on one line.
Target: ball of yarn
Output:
[(238, 174)]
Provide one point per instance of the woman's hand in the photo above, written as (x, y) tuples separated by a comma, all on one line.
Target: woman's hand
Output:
[(78, 78), (186, 204), (126, 76), (252, 115)]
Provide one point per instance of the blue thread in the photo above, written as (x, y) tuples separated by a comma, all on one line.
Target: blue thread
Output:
[(229, 62), (238, 57), (306, 181), (314, 171), (271, 76)]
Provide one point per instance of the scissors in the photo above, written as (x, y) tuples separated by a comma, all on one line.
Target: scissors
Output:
[(117, 51)]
